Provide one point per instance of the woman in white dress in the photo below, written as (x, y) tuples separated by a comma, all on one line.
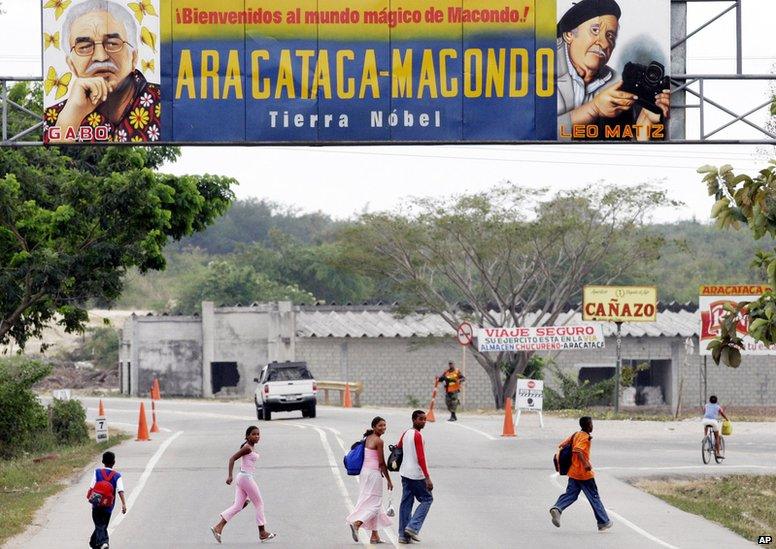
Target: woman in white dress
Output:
[(369, 513)]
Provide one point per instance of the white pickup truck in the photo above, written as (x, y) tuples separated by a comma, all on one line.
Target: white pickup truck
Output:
[(285, 386)]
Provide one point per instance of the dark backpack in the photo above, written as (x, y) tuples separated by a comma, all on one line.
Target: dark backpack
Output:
[(354, 459), (102, 494), (395, 457), (562, 458)]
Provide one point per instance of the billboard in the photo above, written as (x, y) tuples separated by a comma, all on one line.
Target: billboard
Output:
[(619, 303), (711, 303), (540, 338), (338, 71)]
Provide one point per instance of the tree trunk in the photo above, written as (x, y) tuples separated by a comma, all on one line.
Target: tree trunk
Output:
[(510, 385), (496, 384)]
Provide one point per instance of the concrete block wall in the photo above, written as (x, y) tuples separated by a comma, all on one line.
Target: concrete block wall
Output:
[(633, 348), (394, 371), (169, 348), (753, 383), (249, 336)]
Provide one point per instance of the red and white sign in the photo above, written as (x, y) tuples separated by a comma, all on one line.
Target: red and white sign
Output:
[(465, 333), (711, 306), (541, 338)]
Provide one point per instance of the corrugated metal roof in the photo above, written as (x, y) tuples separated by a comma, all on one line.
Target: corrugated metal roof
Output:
[(383, 323)]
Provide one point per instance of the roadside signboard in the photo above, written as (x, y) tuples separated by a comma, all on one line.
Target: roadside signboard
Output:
[(620, 303), (530, 394), (465, 333), (61, 394), (101, 429), (711, 303), (341, 71), (540, 338)]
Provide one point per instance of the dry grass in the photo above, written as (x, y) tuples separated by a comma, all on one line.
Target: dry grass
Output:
[(742, 503), (664, 413), (25, 485)]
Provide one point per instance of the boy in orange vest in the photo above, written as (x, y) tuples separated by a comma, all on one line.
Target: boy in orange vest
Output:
[(581, 478)]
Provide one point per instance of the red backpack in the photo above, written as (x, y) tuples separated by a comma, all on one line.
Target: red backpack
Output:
[(102, 493)]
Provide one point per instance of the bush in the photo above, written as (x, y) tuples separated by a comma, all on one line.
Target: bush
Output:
[(576, 395), (100, 346), (22, 418), (68, 421)]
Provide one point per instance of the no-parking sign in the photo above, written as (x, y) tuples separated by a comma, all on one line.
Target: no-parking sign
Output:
[(465, 333)]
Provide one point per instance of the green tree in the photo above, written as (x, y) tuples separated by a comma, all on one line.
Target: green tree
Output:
[(742, 199), (495, 258), (314, 268), (74, 219), (229, 284)]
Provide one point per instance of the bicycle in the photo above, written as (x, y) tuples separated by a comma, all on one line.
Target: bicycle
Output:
[(707, 447)]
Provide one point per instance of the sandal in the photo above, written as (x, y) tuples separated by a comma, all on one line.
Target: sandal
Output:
[(376, 541), (216, 534), (269, 537), (353, 532)]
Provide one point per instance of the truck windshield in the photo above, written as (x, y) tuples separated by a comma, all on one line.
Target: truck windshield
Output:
[(289, 374)]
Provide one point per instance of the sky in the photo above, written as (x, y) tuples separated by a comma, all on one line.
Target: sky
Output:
[(345, 181)]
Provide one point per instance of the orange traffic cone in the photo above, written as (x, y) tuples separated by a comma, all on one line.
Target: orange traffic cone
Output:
[(101, 410), (509, 425), (155, 392), (142, 425), (430, 414), (346, 400), (154, 426)]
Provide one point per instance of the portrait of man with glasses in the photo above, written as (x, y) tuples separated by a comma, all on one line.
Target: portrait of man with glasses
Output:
[(106, 93)]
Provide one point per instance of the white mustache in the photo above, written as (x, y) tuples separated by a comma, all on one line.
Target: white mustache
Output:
[(98, 66), (597, 50)]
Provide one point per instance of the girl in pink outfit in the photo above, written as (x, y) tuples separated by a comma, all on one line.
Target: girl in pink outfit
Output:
[(369, 509), (246, 488)]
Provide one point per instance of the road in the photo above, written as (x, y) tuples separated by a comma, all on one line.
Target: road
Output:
[(489, 491)]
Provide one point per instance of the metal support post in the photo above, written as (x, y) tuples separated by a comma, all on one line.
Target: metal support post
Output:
[(618, 369)]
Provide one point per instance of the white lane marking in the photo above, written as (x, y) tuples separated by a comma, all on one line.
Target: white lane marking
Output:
[(341, 482), (619, 517), (486, 435), (338, 437), (143, 479)]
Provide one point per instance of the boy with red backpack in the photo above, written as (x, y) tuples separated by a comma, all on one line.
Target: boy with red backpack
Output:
[(106, 483)]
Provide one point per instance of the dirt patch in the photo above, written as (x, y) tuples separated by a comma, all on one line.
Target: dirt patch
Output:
[(69, 376)]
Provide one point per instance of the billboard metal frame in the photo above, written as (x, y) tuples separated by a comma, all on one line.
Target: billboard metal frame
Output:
[(684, 86)]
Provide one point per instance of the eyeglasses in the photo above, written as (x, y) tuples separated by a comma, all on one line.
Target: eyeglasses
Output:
[(85, 48)]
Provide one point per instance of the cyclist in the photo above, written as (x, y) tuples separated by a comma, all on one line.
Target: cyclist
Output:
[(711, 413)]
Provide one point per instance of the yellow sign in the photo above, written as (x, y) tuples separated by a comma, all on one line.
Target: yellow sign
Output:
[(620, 303)]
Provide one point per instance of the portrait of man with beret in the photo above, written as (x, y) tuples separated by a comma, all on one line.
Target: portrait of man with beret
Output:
[(589, 91)]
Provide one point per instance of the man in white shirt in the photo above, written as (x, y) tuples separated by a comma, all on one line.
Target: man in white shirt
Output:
[(415, 480)]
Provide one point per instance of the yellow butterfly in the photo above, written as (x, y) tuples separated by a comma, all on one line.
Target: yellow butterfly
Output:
[(59, 6), (51, 40), (141, 8), (59, 82), (147, 66), (148, 38)]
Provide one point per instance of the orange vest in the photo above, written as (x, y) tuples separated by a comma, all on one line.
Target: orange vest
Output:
[(452, 382)]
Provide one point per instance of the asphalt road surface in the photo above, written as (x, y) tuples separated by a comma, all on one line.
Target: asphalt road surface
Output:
[(489, 491)]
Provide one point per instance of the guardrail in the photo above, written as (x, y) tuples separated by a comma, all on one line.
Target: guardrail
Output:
[(356, 388)]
